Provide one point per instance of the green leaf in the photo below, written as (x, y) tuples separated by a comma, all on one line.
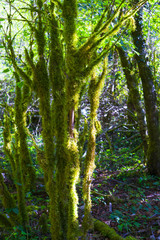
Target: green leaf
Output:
[(6, 70), (2, 19)]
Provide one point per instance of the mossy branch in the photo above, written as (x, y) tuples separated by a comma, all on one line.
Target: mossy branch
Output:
[(91, 40), (109, 232), (24, 76), (100, 22), (58, 3), (95, 61), (106, 25), (18, 70), (97, 37), (29, 60)]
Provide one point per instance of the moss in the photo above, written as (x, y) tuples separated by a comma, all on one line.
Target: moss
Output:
[(106, 231), (73, 170), (88, 171), (7, 200), (109, 232), (28, 171), (7, 141), (23, 216), (83, 137), (95, 88), (70, 14), (54, 214)]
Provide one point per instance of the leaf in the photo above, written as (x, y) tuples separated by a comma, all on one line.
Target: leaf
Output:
[(6, 70), (2, 19)]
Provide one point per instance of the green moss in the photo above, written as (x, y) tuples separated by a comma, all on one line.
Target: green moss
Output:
[(95, 88), (28, 171), (23, 216), (7, 200), (73, 170), (7, 141), (106, 231), (109, 232)]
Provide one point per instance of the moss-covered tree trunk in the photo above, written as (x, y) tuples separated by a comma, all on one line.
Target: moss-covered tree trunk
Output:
[(73, 87), (134, 95), (59, 118), (21, 153), (95, 88), (152, 115), (21, 103)]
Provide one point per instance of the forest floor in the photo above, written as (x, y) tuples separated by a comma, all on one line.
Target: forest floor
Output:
[(124, 197), (127, 200)]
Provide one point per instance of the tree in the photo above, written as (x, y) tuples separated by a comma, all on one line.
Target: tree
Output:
[(132, 85), (70, 63), (150, 99)]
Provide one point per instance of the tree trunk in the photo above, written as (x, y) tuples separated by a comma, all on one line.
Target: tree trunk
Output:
[(152, 115), (132, 85)]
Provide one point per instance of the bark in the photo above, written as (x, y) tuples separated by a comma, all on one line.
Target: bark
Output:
[(150, 99), (134, 94)]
